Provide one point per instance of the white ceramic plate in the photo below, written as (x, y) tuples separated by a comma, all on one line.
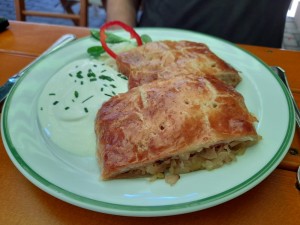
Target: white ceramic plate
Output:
[(79, 184)]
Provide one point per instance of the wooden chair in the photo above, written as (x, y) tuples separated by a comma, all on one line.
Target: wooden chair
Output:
[(80, 19)]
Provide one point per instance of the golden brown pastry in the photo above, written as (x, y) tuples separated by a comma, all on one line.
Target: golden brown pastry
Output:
[(166, 59), (173, 126)]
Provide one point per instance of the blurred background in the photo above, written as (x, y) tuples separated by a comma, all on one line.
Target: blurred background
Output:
[(96, 16)]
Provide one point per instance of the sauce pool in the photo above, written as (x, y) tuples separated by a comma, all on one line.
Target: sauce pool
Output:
[(68, 104)]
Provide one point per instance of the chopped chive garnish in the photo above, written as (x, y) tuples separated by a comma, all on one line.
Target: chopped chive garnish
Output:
[(114, 93), (102, 71), (113, 86), (71, 75), (108, 95), (101, 89), (86, 110), (94, 65), (73, 100), (104, 77), (122, 76), (81, 82), (42, 108), (54, 103), (78, 75), (93, 79), (76, 94), (67, 108), (105, 85), (51, 93), (91, 73), (87, 99)]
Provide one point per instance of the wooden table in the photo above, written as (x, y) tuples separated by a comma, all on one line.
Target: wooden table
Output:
[(274, 201)]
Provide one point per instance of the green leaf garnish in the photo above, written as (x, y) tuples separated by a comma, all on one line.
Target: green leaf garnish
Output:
[(146, 38), (110, 37), (95, 51), (114, 39), (95, 34)]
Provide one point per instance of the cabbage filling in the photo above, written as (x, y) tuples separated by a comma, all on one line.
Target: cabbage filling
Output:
[(206, 158)]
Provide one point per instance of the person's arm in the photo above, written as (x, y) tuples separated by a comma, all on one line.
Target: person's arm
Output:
[(122, 10)]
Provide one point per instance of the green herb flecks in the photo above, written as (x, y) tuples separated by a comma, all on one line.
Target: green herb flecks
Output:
[(66, 108), (108, 95), (91, 73), (122, 76), (79, 75), (86, 110), (76, 94), (87, 99), (113, 86), (55, 103), (104, 77), (52, 94)]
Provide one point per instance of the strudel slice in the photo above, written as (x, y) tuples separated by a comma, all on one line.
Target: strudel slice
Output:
[(168, 127), (166, 59)]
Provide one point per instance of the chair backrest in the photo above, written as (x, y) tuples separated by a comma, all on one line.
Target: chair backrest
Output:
[(79, 19)]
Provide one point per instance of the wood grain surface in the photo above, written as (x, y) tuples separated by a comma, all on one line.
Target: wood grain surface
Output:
[(274, 201)]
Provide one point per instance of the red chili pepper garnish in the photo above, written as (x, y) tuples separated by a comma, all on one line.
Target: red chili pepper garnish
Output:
[(129, 29)]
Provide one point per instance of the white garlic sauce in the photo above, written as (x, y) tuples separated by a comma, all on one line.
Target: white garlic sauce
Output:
[(71, 99)]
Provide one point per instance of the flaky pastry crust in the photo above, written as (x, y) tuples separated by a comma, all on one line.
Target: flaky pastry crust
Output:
[(166, 59), (167, 118)]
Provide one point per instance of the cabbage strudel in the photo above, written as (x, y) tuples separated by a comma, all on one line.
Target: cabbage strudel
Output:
[(168, 127)]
